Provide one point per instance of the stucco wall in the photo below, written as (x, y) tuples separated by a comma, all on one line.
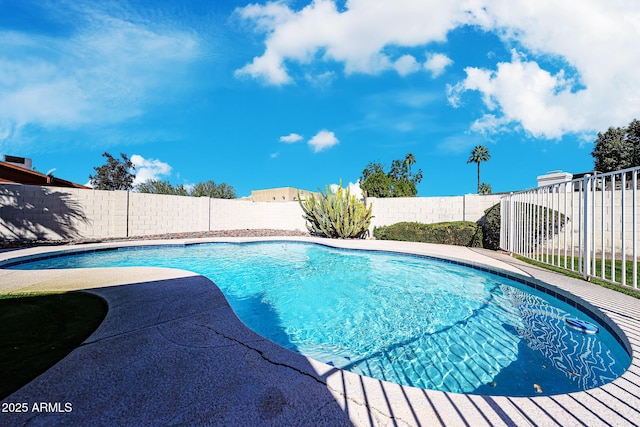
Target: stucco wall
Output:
[(30, 212)]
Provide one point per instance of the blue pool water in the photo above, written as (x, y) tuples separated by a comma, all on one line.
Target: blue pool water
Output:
[(399, 318)]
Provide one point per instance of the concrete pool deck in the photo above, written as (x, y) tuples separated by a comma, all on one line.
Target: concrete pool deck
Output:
[(172, 352)]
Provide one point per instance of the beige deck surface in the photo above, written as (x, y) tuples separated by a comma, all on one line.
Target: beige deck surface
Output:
[(172, 352)]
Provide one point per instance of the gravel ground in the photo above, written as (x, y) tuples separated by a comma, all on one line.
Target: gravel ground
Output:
[(191, 235)]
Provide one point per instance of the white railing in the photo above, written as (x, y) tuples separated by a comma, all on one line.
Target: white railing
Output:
[(588, 225)]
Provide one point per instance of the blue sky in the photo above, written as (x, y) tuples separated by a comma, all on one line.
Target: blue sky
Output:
[(303, 94)]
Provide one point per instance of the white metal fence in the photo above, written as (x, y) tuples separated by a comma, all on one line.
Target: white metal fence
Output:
[(588, 225)]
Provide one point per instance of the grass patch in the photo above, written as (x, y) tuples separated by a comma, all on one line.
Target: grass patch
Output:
[(594, 280), (572, 264), (39, 330)]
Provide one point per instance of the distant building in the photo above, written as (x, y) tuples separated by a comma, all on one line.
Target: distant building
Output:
[(554, 177), (17, 170), (284, 194), (558, 177)]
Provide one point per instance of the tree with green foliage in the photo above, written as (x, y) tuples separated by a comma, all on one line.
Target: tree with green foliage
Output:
[(633, 139), (617, 148), (181, 190), (399, 181), (201, 189), (114, 174), (410, 160), (156, 186), (213, 190), (478, 155), (374, 181)]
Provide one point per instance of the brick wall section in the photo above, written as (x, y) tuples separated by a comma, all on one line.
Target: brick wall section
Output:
[(118, 212), (30, 212), (33, 212), (159, 214), (475, 205), (104, 212), (426, 210), (611, 222), (429, 210), (243, 214)]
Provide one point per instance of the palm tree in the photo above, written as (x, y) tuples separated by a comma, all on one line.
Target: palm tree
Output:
[(484, 188), (479, 154), (409, 159)]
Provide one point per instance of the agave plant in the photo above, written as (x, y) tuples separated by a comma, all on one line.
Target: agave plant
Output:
[(336, 214)]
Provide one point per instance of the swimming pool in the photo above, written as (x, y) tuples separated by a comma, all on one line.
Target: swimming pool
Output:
[(405, 319)]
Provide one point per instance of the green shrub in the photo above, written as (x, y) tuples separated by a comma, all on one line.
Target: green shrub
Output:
[(461, 233), (490, 224), (547, 223), (336, 215)]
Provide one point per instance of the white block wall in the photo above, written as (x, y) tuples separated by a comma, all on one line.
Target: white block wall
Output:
[(32, 212), (245, 214), (606, 231), (387, 211), (475, 205), (161, 214), (429, 210)]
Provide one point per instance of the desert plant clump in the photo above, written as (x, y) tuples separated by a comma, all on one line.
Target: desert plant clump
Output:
[(336, 214)]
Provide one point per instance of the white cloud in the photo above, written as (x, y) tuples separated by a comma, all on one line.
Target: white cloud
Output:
[(490, 124), (189, 187), (405, 65), (323, 140), (524, 94), (579, 75), (354, 189), (104, 71), (321, 80), (436, 63), (356, 36), (149, 169), (291, 138), (592, 43)]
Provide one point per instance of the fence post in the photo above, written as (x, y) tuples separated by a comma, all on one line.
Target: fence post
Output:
[(586, 221), (511, 224), (634, 229), (126, 233)]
